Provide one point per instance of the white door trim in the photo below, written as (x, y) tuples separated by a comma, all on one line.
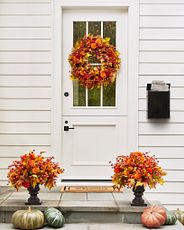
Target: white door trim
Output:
[(133, 50)]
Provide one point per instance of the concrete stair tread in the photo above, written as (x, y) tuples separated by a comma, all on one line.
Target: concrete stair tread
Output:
[(111, 208)]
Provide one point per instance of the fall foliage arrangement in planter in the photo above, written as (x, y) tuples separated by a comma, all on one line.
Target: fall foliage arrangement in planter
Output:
[(33, 170), (137, 171)]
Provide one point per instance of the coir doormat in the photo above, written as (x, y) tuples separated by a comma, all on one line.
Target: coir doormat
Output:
[(99, 189)]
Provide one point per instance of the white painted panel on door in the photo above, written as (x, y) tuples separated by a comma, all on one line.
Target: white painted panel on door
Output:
[(91, 145)]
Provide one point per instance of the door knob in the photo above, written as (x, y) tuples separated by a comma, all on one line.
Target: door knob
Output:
[(67, 128)]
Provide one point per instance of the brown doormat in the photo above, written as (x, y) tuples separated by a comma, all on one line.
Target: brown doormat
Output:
[(89, 189)]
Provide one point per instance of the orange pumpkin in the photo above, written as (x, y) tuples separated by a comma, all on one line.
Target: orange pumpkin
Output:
[(153, 216)]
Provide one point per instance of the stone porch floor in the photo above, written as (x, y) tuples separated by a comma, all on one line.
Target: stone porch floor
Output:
[(86, 211)]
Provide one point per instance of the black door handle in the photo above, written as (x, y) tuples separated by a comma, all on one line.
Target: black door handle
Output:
[(67, 128)]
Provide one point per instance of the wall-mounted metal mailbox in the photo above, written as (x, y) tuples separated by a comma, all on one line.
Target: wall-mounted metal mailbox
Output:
[(158, 103)]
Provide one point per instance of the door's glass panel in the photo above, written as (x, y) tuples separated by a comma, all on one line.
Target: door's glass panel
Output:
[(79, 94), (109, 30), (79, 30), (79, 91), (109, 93), (94, 28), (94, 97)]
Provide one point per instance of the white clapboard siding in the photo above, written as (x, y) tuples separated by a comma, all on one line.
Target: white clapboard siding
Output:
[(25, 116), (161, 140), (172, 187), (22, 92), (167, 48), (161, 69), (159, 128), (27, 81), (161, 33), (25, 104), (25, 33), (176, 81), (24, 21), (24, 45), (12, 151), (14, 56), (4, 173), (25, 128), (6, 161), (175, 117), (23, 68), (24, 139), (175, 176), (24, 8), (170, 9), (175, 105), (162, 57), (175, 92), (164, 151), (159, 21), (172, 164)]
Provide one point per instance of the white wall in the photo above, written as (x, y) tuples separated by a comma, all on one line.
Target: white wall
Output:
[(25, 79), (162, 58)]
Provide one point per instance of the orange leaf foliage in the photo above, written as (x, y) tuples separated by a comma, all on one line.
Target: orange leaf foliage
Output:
[(137, 169), (33, 169)]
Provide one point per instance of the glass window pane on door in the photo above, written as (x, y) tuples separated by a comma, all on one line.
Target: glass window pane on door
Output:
[(79, 91), (94, 94), (98, 97)]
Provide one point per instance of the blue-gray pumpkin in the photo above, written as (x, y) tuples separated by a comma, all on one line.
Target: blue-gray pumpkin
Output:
[(171, 218), (54, 218)]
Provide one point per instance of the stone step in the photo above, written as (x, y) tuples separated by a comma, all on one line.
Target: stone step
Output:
[(77, 207)]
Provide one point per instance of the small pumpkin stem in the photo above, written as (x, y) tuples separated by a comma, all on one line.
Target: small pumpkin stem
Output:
[(29, 209)]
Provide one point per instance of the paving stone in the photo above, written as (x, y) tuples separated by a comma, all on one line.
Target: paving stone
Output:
[(19, 196), (88, 206), (100, 196), (74, 196)]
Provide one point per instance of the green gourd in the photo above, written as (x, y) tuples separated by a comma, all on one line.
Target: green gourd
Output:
[(180, 215), (28, 219), (54, 218), (171, 218)]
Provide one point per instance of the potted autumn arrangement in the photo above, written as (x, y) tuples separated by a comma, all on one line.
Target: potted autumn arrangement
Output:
[(137, 171), (31, 171)]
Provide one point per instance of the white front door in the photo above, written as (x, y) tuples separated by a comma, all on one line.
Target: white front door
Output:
[(97, 118)]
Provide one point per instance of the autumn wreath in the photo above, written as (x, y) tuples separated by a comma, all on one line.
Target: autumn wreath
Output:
[(104, 71)]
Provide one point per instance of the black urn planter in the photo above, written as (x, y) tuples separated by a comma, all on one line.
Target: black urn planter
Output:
[(138, 193), (33, 199)]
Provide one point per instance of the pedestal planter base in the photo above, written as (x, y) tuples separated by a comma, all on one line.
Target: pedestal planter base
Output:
[(138, 200), (33, 199)]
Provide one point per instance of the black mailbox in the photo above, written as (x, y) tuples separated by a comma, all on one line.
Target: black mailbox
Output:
[(158, 103)]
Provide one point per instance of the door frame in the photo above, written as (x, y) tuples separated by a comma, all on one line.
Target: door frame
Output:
[(132, 7)]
